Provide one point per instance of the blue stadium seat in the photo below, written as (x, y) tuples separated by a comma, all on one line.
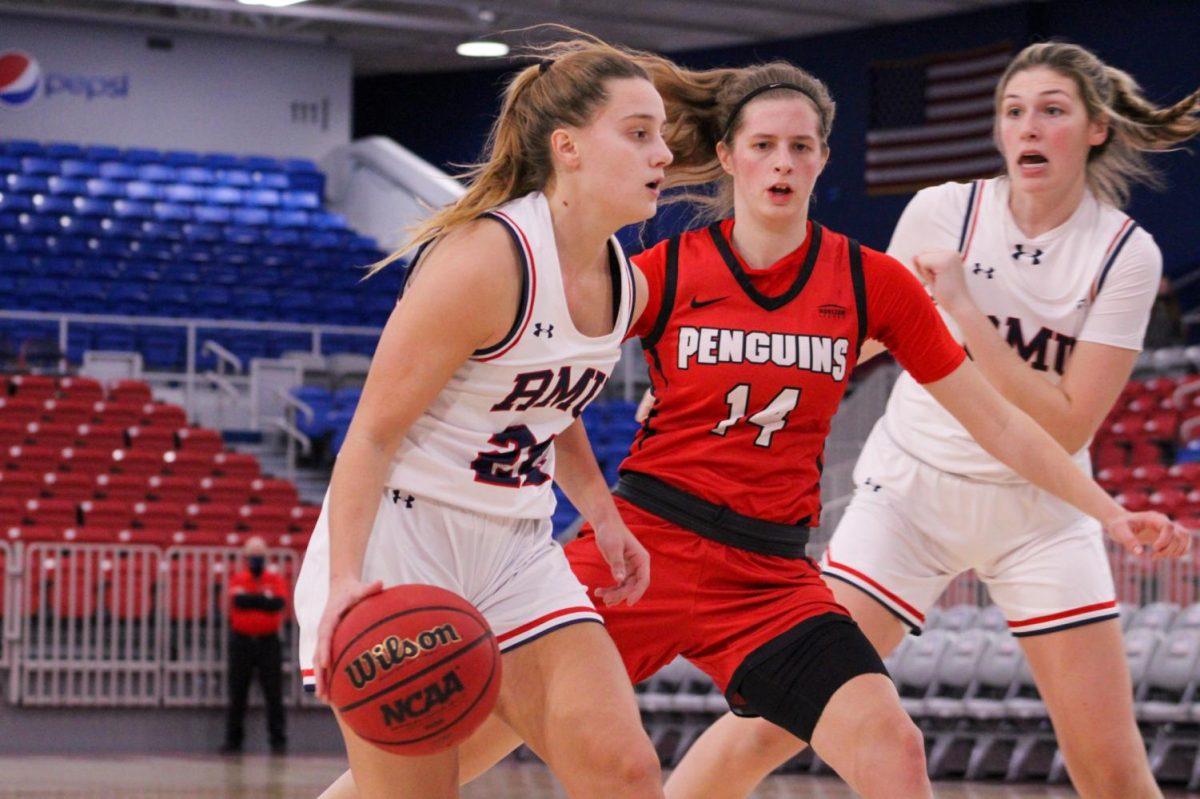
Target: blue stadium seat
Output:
[(182, 273), (123, 228), (223, 275), (144, 190), (53, 204), (68, 267), (25, 147), (142, 155), (198, 175), (170, 299), (295, 305), (259, 163), (106, 268), (15, 202), (118, 170), (253, 217), (67, 245), (242, 235), (106, 189), (322, 240), (114, 338), (90, 206), (63, 150), (40, 287), (40, 166), (205, 233), (253, 303), (157, 173), (28, 183), (16, 264), (211, 301), (271, 180), (212, 214), (300, 199), (8, 163), (224, 195), (87, 294), (99, 152), (81, 225), (111, 248), (281, 238), (268, 198), (127, 209), (290, 218), (262, 276), (70, 186), (72, 168), (238, 178), (327, 221), (220, 160), (172, 212), (8, 222), (142, 272), (162, 349), (37, 223), (183, 193), (182, 158)]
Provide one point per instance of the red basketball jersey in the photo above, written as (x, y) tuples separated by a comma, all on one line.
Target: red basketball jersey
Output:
[(748, 366)]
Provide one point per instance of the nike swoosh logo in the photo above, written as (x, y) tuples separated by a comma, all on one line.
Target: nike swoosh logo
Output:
[(701, 303)]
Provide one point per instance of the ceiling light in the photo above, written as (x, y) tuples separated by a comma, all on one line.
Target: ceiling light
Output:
[(271, 3), (480, 49)]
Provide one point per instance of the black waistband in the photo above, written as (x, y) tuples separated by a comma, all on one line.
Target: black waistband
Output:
[(713, 521)]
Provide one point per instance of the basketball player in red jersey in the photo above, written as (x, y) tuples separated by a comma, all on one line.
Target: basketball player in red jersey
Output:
[(751, 331)]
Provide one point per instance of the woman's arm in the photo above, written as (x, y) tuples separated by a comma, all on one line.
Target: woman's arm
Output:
[(1013, 438), (463, 298), (578, 475), (1070, 411)]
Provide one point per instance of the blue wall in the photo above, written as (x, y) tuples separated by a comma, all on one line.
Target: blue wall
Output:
[(444, 117)]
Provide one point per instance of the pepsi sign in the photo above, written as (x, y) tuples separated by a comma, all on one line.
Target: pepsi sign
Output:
[(21, 79)]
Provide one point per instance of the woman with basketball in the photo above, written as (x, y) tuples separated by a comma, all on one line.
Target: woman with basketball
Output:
[(1069, 279), (751, 331), (445, 474)]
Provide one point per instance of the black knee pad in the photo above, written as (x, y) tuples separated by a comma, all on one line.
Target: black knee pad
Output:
[(790, 679)]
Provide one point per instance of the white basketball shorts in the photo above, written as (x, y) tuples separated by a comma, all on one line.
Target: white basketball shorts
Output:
[(910, 529), (511, 570)]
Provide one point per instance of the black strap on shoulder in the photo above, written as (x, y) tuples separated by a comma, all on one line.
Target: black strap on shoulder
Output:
[(670, 281), (860, 291), (1112, 258)]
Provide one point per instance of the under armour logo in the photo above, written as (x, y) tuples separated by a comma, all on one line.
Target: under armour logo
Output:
[(1035, 256), (979, 270), (398, 498), (1081, 304), (539, 329), (871, 484)]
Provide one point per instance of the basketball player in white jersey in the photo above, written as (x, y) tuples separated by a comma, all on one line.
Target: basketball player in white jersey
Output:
[(509, 326), (1049, 285)]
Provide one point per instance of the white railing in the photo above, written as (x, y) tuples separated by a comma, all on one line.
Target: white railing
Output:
[(10, 630)]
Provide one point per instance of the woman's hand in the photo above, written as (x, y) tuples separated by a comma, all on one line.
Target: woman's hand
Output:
[(1136, 531), (942, 271), (344, 593), (628, 560)]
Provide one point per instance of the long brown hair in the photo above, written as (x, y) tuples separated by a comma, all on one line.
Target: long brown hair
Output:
[(565, 88), (699, 107), (1135, 125)]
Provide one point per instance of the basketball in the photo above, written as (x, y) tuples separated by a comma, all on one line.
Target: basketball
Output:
[(416, 669)]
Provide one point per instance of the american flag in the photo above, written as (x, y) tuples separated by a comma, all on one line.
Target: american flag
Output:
[(931, 119)]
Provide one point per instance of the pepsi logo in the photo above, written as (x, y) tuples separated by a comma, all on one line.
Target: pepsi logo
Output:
[(20, 78)]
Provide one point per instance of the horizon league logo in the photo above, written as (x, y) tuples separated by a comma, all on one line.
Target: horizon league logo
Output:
[(22, 78)]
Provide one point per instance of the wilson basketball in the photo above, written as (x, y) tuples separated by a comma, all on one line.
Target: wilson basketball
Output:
[(416, 669)]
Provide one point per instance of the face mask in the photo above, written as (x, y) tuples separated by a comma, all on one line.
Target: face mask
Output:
[(256, 564)]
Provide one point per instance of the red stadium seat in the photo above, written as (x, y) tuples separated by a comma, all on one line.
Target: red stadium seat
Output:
[(20, 485), (304, 518), (1108, 453), (1142, 452), (153, 439), (121, 414), (1134, 501), (39, 387), (38, 460), (128, 488), (1111, 477), (225, 490), (211, 517), (200, 439), (50, 434), (67, 485), (1186, 473), (194, 464), (271, 491), (1170, 501), (179, 490), (67, 411), (109, 514), (158, 515), (266, 520), (82, 388), (32, 533), (1148, 476), (295, 541), (1128, 427), (12, 512), (101, 436), (84, 460), (1162, 426), (235, 464), (130, 461), (20, 409), (12, 433), (51, 512), (161, 414), (1161, 386), (1143, 405), (130, 391)]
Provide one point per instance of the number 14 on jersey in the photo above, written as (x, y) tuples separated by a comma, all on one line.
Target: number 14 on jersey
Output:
[(769, 420)]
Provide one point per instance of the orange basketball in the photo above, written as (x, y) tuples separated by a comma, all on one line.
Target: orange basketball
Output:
[(416, 669)]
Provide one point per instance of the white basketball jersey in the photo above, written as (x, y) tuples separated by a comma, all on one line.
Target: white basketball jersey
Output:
[(1092, 278), (486, 441)]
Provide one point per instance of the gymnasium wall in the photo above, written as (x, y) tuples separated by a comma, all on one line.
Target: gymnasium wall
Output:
[(178, 91), (444, 117)]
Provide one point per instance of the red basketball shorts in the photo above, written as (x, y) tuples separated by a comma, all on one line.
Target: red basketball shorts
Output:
[(710, 602)]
